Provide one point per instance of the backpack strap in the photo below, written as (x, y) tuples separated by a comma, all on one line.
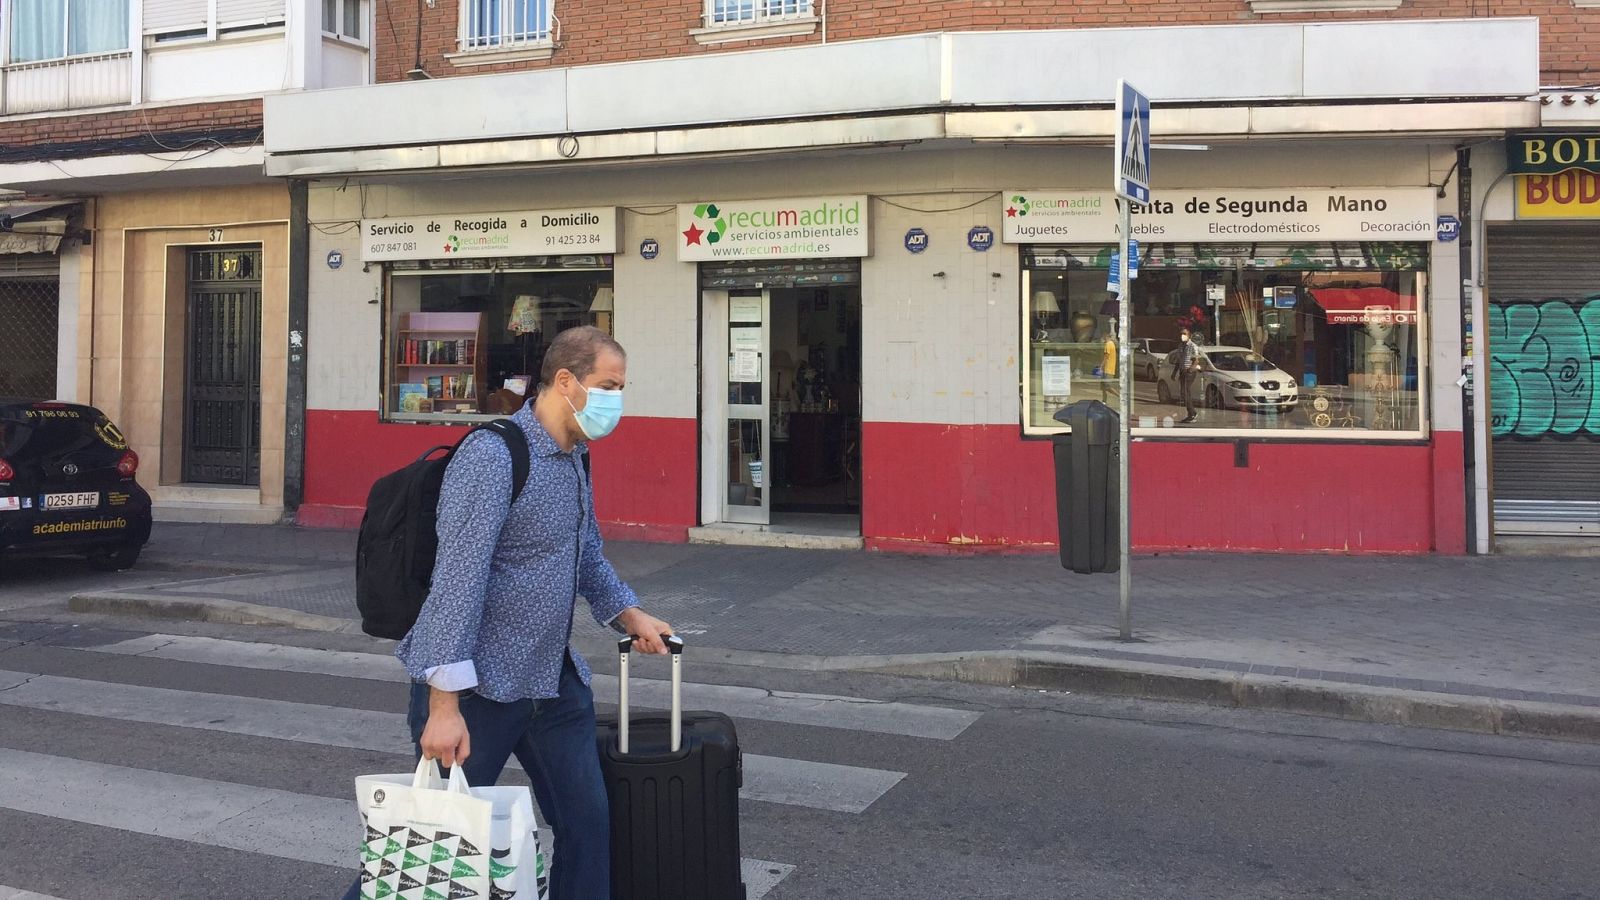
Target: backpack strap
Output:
[(517, 443)]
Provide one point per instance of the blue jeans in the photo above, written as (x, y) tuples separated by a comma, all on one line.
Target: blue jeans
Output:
[(554, 741)]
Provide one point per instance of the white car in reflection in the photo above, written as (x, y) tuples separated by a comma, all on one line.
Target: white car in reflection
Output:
[(1231, 378)]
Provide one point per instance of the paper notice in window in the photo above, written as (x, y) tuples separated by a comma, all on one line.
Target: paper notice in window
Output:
[(745, 339), (1057, 376), (746, 366), (744, 309)]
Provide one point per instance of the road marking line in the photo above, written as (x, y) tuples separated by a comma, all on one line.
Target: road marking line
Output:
[(771, 779), (261, 820), (823, 710), (11, 893)]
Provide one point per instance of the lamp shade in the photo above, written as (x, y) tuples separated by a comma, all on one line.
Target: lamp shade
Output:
[(604, 300), (1045, 302)]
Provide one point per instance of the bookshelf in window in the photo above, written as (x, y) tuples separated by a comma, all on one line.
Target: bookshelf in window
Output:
[(439, 361)]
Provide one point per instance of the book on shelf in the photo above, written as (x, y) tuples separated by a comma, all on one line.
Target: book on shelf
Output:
[(436, 386), (410, 397), (419, 352)]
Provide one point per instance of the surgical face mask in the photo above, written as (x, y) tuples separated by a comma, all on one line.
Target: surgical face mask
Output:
[(601, 414)]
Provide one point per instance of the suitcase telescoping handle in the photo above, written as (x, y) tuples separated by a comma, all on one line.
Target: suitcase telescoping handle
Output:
[(675, 647)]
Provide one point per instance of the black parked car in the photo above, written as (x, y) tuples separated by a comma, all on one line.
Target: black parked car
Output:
[(67, 485)]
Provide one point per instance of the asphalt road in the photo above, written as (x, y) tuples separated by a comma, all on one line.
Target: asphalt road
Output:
[(954, 791)]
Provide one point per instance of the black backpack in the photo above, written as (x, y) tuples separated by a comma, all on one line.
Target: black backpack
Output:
[(396, 547)]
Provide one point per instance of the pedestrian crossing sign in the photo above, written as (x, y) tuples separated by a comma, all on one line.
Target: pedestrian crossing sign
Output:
[(1132, 176)]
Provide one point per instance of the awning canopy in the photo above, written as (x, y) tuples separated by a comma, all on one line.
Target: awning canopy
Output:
[(25, 226), (1366, 305)]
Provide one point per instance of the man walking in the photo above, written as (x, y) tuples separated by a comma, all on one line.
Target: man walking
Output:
[(493, 673), (1188, 366)]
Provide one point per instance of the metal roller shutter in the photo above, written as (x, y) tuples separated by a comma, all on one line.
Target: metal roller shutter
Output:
[(1544, 347), (248, 12)]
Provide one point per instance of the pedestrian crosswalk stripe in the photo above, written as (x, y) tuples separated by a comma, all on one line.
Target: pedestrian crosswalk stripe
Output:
[(824, 710), (817, 785), (11, 893), (276, 823), (769, 779)]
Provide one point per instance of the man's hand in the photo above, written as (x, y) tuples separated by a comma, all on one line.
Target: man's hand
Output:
[(649, 632), (445, 736)]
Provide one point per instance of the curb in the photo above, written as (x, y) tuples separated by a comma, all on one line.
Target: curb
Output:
[(206, 609), (1217, 687), (1034, 671)]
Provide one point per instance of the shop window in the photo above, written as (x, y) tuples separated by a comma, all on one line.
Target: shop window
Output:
[(467, 344), (54, 29), (1322, 340)]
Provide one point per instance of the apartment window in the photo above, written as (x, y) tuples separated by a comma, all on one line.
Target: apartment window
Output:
[(53, 29), (343, 18), (755, 12), (503, 24)]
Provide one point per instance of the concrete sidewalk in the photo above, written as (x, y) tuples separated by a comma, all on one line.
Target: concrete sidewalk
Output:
[(1500, 634)]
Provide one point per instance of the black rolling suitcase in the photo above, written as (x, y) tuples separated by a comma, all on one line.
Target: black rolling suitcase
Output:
[(674, 786)]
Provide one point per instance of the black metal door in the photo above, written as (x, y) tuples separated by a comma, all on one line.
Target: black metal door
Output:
[(222, 416)]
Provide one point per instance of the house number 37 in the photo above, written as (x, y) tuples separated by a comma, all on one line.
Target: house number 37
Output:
[(214, 235)]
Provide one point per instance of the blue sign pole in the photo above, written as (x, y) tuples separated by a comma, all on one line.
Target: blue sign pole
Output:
[(1131, 178)]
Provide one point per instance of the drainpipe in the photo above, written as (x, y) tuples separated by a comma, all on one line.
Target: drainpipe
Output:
[(294, 439), (824, 14)]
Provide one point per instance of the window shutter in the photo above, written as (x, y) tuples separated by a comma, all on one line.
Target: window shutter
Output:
[(162, 16), (248, 12)]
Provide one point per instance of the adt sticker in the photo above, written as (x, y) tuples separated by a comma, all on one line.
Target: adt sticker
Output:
[(649, 247), (335, 259), (1449, 228), (916, 240), (980, 238)]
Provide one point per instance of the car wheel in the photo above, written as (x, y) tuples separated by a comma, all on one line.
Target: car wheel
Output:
[(115, 559), (1162, 394), (1213, 397)]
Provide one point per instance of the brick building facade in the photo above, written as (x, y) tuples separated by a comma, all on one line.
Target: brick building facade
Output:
[(592, 34)]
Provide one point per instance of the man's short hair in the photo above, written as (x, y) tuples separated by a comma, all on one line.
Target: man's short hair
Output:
[(577, 350)]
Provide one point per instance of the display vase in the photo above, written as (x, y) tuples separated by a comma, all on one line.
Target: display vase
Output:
[(1082, 327)]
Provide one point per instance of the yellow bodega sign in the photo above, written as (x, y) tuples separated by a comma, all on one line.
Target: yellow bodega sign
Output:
[(1573, 194)]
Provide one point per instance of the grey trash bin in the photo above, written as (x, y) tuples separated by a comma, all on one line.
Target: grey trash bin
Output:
[(1087, 507)]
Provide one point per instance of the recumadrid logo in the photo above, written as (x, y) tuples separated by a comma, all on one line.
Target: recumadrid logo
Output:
[(712, 235)]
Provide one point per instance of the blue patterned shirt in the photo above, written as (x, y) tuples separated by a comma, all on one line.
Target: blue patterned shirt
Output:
[(508, 575)]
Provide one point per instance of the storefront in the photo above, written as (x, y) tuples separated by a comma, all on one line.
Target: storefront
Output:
[(1543, 283), (809, 355), (1308, 424), (780, 402)]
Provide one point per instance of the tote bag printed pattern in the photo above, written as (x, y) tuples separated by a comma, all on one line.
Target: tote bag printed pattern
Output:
[(430, 840)]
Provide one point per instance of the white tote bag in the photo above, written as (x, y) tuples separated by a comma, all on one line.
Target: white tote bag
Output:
[(428, 839)]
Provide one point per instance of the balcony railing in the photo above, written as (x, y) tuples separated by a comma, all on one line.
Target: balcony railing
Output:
[(77, 82)]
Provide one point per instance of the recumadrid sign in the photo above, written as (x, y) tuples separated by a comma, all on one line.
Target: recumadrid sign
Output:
[(1221, 214)]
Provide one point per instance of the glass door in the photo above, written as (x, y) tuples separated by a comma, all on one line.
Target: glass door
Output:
[(747, 497)]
